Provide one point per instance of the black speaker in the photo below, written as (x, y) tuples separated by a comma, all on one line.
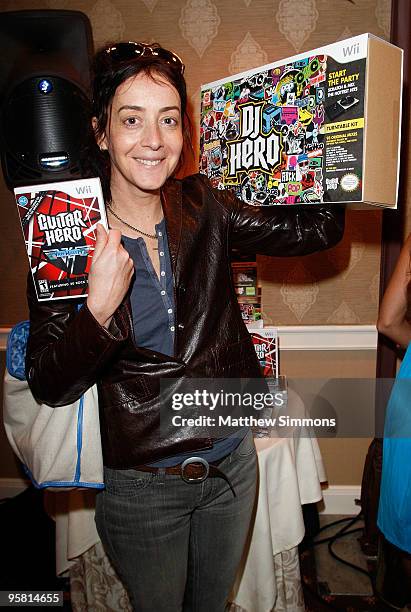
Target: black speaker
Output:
[(44, 94)]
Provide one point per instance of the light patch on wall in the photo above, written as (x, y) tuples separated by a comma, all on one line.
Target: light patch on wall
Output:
[(199, 23), (299, 298), (247, 2), (343, 315), (374, 288), (357, 253), (58, 4), (346, 33), (195, 101), (296, 20), (356, 248), (150, 4), (107, 22), (383, 15), (248, 54)]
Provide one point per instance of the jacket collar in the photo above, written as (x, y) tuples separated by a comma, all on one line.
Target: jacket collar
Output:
[(172, 208)]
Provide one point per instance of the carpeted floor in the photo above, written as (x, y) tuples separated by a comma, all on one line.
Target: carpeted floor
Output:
[(330, 584)]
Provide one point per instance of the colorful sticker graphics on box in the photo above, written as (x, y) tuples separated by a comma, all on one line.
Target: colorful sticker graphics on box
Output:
[(265, 136)]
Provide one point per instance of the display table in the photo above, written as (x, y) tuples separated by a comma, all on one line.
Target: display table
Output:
[(290, 472)]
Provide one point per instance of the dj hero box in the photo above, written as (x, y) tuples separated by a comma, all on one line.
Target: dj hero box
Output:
[(59, 223), (322, 126)]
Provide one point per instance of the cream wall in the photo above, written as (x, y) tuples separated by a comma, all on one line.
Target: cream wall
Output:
[(216, 38), (343, 457)]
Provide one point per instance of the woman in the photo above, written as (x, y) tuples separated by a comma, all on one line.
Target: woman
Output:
[(161, 305), (394, 512)]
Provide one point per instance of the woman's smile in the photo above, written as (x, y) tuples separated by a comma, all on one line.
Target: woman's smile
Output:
[(148, 162)]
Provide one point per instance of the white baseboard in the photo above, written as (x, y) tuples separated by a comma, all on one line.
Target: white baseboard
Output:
[(327, 337), (10, 487), (340, 499)]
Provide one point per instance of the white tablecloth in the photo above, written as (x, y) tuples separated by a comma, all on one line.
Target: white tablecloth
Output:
[(290, 472)]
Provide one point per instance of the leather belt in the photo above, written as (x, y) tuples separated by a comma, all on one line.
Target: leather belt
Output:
[(192, 470)]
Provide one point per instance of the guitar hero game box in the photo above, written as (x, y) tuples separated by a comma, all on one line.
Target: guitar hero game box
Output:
[(322, 126), (59, 223), (265, 342)]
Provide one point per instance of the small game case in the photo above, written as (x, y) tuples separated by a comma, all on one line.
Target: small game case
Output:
[(59, 223)]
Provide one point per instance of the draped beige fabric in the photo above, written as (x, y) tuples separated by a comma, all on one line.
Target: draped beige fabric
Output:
[(95, 586)]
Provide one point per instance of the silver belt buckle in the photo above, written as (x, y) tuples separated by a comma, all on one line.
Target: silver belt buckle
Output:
[(191, 460)]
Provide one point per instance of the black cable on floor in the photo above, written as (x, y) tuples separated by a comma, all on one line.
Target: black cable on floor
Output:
[(341, 560), (331, 540), (324, 540), (342, 532), (343, 520)]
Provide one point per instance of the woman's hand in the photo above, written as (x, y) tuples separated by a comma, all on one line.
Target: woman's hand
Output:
[(110, 275)]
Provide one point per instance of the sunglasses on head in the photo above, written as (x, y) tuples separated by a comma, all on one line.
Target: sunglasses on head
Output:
[(125, 51)]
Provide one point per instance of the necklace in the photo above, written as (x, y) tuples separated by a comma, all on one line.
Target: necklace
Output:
[(129, 224)]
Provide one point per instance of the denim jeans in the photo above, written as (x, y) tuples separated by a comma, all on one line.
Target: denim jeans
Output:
[(176, 546)]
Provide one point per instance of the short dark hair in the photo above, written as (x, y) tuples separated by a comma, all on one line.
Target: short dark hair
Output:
[(108, 75)]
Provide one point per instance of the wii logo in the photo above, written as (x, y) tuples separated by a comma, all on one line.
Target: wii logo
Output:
[(83, 190), (351, 50)]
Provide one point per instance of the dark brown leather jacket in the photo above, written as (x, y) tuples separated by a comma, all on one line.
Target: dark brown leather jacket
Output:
[(68, 351)]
